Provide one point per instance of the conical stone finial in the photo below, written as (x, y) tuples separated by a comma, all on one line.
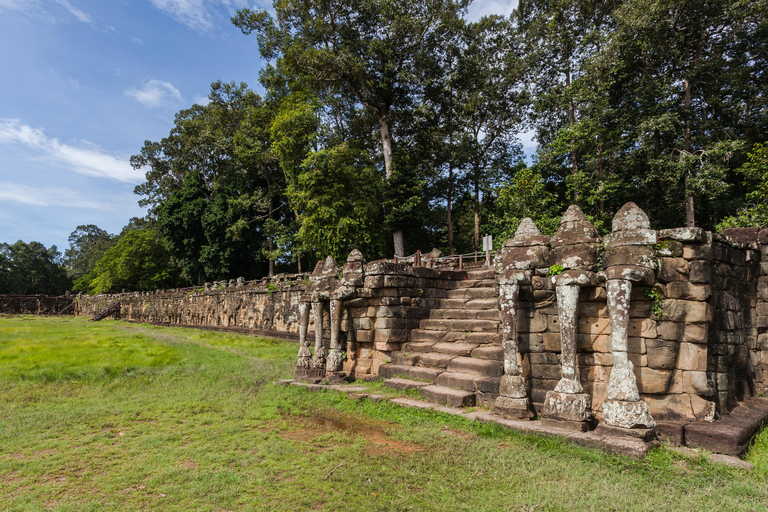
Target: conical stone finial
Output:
[(318, 268), (330, 267), (354, 256), (575, 228), (630, 217), (527, 228), (574, 214)]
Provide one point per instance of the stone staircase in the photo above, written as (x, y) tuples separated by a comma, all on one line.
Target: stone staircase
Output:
[(455, 356)]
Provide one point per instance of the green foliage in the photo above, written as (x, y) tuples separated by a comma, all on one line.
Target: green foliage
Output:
[(32, 269), (656, 296), (755, 171), (139, 261), (339, 193), (87, 244), (526, 195), (555, 270)]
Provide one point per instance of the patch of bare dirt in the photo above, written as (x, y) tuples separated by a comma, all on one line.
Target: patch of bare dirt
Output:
[(322, 422), (188, 464)]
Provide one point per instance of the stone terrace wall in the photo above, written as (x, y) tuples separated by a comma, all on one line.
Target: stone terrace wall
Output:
[(705, 350), (33, 304), (269, 305)]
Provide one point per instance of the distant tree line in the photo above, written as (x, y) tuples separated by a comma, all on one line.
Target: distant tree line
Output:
[(395, 126)]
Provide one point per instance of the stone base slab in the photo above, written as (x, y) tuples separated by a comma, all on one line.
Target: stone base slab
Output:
[(575, 407), (310, 375), (645, 434), (513, 408), (336, 377), (628, 415), (574, 426)]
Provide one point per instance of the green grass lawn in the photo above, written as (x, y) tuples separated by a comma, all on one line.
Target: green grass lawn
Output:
[(118, 416)]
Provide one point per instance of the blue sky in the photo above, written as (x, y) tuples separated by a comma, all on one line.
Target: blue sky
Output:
[(86, 82)]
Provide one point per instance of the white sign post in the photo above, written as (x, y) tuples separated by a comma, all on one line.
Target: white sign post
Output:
[(487, 246)]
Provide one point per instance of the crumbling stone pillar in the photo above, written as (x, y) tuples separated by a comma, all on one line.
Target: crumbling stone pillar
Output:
[(322, 282), (526, 251), (351, 279), (628, 259), (574, 252), (304, 353)]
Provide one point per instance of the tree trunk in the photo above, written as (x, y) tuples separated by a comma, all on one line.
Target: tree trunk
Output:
[(450, 214), (386, 147), (690, 220), (477, 213), (271, 240), (298, 253), (600, 173), (571, 122)]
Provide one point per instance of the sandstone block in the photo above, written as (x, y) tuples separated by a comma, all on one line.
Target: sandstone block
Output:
[(639, 255), (594, 326), (662, 354), (673, 269), (652, 381), (688, 291), (551, 341), (697, 251), (686, 311), (692, 357), (683, 234), (636, 345), (642, 237), (700, 271), (696, 383), (574, 256), (645, 328)]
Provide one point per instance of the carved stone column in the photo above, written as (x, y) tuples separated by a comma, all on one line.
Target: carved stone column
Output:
[(335, 357), (304, 353), (318, 358), (628, 259), (574, 253), (526, 251), (352, 277)]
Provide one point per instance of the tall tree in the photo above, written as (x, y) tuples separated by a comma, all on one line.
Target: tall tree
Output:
[(371, 49), (87, 244), (31, 268)]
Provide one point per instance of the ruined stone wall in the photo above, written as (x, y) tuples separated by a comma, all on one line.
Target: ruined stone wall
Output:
[(268, 306), (32, 304), (394, 299)]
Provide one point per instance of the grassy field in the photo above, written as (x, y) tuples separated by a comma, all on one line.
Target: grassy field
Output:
[(117, 416)]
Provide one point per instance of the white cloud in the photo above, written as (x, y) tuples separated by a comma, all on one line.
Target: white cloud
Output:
[(87, 159), (199, 14), (156, 93), (481, 8), (77, 13), (137, 40), (192, 13), (49, 196), (202, 100)]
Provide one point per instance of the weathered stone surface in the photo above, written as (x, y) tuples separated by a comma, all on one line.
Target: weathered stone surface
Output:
[(513, 408), (567, 406), (629, 415), (692, 357), (677, 310), (628, 238), (687, 291), (683, 234), (634, 273), (673, 269), (662, 354), (650, 380), (574, 256), (449, 396), (638, 255)]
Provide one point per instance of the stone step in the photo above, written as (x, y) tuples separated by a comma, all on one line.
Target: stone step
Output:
[(390, 370), (469, 382), (417, 346), (465, 313), (442, 324), (470, 293), (399, 383), (456, 348), (461, 303), (488, 338), (449, 396), (474, 283), (492, 352), (481, 273), (481, 367), (435, 360), (404, 359)]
